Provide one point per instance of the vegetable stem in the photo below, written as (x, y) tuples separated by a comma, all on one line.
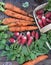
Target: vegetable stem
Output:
[(19, 48), (2, 4), (28, 49), (0, 21), (3, 28), (2, 9)]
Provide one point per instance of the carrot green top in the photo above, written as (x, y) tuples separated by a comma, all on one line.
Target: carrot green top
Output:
[(2, 9), (2, 4)]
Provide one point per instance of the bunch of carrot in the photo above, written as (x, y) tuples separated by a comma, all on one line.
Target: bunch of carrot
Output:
[(13, 11), (18, 25), (20, 21), (12, 22)]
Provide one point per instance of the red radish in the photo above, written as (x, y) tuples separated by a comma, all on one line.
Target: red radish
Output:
[(20, 36), (19, 39), (30, 41), (12, 40), (48, 20), (40, 12), (24, 40), (33, 33), (37, 36), (39, 16), (44, 20), (16, 34), (40, 23), (48, 14), (28, 34)]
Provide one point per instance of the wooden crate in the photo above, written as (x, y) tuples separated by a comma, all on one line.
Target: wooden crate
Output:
[(45, 28)]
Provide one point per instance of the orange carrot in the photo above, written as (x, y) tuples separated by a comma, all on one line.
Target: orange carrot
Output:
[(15, 9), (13, 20), (40, 58), (25, 23), (9, 20), (37, 60), (16, 15), (23, 28), (20, 23), (12, 24)]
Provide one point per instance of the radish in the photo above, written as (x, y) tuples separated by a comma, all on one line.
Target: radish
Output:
[(39, 16), (48, 20), (30, 41), (40, 12), (37, 36), (12, 40), (16, 34), (23, 40), (48, 14), (44, 20), (40, 23), (20, 36), (28, 34), (33, 33)]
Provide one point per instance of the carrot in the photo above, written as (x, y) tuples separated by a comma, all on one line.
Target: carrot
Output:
[(9, 20), (16, 9), (12, 24), (37, 60), (16, 15), (40, 58), (20, 24), (24, 23), (22, 28), (13, 20), (12, 7)]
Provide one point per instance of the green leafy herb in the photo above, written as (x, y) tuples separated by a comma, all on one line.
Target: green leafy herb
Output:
[(48, 6), (49, 36), (25, 53), (3, 27), (2, 44)]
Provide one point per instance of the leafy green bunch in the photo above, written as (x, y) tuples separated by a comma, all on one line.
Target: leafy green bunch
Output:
[(25, 53), (48, 6)]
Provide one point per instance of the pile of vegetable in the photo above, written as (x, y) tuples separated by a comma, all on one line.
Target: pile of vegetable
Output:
[(25, 38), (43, 18), (14, 42), (23, 53), (14, 51), (19, 38), (44, 15), (18, 19)]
